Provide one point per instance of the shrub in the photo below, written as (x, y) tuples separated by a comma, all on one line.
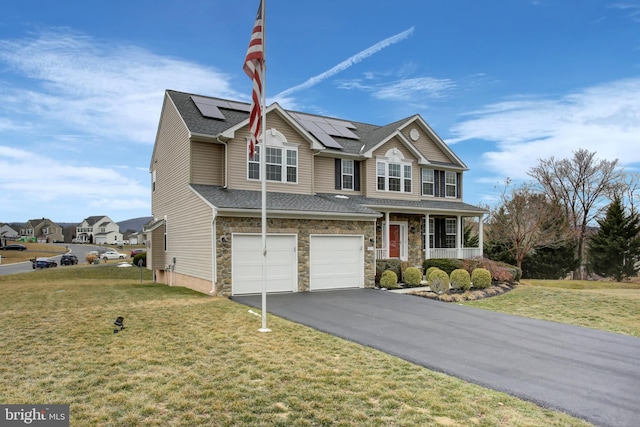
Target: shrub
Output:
[(500, 271), (481, 278), (389, 279), (412, 276), (431, 270), (439, 281), (447, 265), (460, 279), (383, 265), (91, 257)]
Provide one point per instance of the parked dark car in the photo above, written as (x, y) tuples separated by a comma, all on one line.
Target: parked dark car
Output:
[(43, 263), (68, 259), (14, 247), (135, 252)]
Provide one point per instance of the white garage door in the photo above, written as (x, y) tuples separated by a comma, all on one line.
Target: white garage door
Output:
[(282, 261), (336, 262)]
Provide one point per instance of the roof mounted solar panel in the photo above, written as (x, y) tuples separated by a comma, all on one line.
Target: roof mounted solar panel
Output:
[(326, 140), (207, 109), (211, 107)]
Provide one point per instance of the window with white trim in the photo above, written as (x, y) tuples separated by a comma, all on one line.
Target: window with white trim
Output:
[(427, 182), (347, 174), (407, 178), (393, 172), (393, 177), (281, 161), (450, 229), (450, 184)]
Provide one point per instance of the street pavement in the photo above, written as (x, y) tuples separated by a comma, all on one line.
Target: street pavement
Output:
[(590, 374)]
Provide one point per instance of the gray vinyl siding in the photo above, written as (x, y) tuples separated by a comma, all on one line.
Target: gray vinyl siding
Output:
[(207, 163), (238, 160)]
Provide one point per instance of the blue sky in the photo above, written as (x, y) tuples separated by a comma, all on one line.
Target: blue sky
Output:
[(504, 82)]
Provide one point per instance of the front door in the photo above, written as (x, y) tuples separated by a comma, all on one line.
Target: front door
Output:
[(394, 241)]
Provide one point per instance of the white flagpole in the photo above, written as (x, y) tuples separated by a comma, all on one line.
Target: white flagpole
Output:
[(263, 172)]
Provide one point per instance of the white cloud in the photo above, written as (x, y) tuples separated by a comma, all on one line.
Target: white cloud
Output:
[(71, 106), (604, 119), (100, 89), (414, 89)]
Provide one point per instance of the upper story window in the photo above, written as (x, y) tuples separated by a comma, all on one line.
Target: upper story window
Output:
[(440, 183), (450, 184), (393, 172), (153, 180), (347, 174), (281, 161), (427, 182)]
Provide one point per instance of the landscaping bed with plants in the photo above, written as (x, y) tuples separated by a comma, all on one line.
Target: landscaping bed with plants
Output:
[(449, 280)]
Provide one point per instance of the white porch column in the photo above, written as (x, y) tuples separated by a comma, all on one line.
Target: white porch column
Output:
[(459, 236), (427, 249), (480, 235), (386, 234)]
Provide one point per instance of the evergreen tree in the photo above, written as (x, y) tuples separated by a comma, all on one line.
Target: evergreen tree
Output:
[(550, 262), (614, 250)]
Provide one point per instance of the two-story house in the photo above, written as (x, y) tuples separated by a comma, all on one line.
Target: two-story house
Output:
[(98, 229), (340, 194), (7, 233), (42, 230)]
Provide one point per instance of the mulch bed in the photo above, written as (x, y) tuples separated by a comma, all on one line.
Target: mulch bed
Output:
[(470, 295)]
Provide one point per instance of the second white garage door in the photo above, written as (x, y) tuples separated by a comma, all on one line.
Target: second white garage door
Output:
[(336, 262), (282, 263)]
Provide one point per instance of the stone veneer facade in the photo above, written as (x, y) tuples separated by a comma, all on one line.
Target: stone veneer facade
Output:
[(226, 226)]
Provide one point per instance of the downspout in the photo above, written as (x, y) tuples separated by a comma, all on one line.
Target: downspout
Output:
[(214, 251), (226, 162)]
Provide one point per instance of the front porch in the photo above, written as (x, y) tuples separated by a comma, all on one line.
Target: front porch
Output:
[(460, 253), (404, 236)]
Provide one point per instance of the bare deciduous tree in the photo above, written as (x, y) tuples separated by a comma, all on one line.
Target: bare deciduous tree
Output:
[(526, 220), (582, 185)]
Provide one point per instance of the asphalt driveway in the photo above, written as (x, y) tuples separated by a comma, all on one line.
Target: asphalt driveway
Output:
[(590, 374)]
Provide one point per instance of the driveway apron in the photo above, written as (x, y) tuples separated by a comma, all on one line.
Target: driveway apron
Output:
[(590, 374)]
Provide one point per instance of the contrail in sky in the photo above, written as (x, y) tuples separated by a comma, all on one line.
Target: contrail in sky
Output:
[(348, 62)]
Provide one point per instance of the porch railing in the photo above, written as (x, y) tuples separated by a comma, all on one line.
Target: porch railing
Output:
[(439, 253)]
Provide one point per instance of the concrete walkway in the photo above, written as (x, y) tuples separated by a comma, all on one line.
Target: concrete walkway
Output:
[(590, 374)]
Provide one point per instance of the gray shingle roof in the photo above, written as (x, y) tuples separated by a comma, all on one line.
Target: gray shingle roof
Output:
[(369, 135), (448, 206), (228, 199)]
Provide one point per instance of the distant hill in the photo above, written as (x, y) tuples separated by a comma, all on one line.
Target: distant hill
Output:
[(134, 223)]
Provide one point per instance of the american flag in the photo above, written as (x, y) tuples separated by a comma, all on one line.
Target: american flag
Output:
[(254, 67)]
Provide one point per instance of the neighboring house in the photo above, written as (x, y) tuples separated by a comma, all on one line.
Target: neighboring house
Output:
[(341, 194), (99, 230), (42, 230), (137, 238), (7, 233)]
